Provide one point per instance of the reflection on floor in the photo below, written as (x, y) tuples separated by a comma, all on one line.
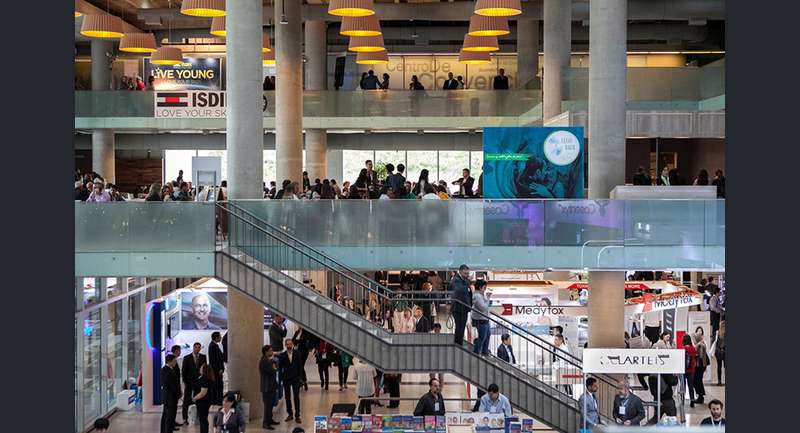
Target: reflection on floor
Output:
[(316, 401)]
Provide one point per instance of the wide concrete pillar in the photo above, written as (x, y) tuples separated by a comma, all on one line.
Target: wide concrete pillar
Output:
[(245, 145), (316, 42), (607, 84), (102, 139), (557, 48), (245, 339), (289, 91), (606, 309), (103, 154), (527, 53)]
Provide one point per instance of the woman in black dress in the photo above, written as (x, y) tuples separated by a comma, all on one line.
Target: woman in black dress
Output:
[(203, 397)]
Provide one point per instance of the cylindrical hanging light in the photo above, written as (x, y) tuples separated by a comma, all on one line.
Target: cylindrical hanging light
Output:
[(480, 43), (372, 58), (218, 26), (480, 25), (368, 44), (77, 9), (498, 8), (360, 26), (474, 57), (138, 43), (268, 57), (351, 8), (167, 56), (102, 26), (266, 46), (203, 8)]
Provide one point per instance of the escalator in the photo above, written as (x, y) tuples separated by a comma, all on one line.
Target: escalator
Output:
[(256, 258)]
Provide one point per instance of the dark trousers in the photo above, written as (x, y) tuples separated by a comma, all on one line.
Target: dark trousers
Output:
[(303, 358), (169, 411), (698, 382), (652, 333), (365, 406), (461, 325), (343, 373), (720, 361), (202, 416), (481, 345), (323, 374), (218, 388), (188, 393), (715, 319), (643, 381), (268, 398), (688, 379), (392, 385), (476, 407), (291, 392)]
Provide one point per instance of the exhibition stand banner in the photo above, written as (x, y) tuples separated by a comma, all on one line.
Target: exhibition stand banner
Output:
[(633, 361), (536, 162), (190, 104), (667, 301), (480, 421), (192, 74)]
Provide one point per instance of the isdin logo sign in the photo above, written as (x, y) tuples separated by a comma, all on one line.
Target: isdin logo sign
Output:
[(561, 147)]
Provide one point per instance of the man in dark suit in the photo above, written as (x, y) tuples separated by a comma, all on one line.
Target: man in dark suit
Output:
[(628, 408), (176, 350), (462, 301), (465, 184), (450, 83), (277, 332), (217, 363), (500, 81), (170, 393), (423, 325), (267, 368), (504, 350), (291, 372), (190, 372)]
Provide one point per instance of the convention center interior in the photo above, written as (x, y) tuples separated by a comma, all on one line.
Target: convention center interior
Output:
[(399, 216)]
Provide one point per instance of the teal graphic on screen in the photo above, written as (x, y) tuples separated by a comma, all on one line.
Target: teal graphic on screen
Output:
[(535, 162)]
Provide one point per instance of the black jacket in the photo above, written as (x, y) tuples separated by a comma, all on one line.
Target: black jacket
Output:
[(467, 185), (503, 354), (170, 385), (290, 371), (460, 292), (500, 82), (634, 409), (426, 406), (276, 336), (215, 358), (450, 84), (423, 325), (189, 371), (269, 378)]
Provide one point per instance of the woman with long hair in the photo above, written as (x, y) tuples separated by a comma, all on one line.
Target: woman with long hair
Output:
[(154, 193), (701, 362), (419, 188), (203, 398), (688, 375), (702, 178)]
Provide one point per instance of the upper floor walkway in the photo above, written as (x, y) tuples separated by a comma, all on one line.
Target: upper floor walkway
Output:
[(179, 239)]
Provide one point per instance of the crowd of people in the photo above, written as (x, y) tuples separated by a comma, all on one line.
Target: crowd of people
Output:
[(370, 81), (671, 176)]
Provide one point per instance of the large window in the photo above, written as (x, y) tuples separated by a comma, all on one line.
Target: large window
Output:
[(451, 165), (353, 162), (419, 160)]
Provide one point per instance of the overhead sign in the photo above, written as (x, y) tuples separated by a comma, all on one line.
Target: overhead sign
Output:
[(666, 301), (539, 310), (624, 361), (628, 286), (192, 74), (192, 104)]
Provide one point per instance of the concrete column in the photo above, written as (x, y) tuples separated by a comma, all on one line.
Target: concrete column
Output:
[(606, 309), (244, 123), (607, 51), (527, 53), (101, 63), (335, 165), (557, 48), (289, 91), (245, 145), (316, 79), (245, 339), (103, 154)]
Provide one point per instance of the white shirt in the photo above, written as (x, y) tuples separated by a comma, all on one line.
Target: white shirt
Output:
[(431, 196), (365, 374)]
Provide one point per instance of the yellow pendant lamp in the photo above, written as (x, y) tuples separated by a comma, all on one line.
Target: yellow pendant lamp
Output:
[(268, 57), (360, 26), (372, 58), (167, 56), (138, 43), (102, 26), (266, 47), (474, 57), (351, 8), (77, 9), (480, 43), (203, 8), (218, 26), (498, 8), (480, 25), (368, 44)]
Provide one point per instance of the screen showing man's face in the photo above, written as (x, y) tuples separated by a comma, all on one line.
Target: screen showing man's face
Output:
[(201, 308)]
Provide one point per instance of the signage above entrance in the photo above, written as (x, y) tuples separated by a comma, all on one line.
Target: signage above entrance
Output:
[(624, 361)]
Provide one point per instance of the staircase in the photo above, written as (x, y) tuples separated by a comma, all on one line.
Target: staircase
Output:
[(254, 251)]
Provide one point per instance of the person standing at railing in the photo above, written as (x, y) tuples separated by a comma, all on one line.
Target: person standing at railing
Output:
[(481, 305), (500, 81), (421, 323), (98, 194), (587, 403), (504, 350), (462, 301)]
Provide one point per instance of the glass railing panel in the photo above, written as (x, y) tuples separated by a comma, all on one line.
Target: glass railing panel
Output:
[(110, 103), (102, 227), (665, 222)]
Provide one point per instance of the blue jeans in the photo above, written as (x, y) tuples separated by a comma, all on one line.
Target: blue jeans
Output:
[(481, 345)]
